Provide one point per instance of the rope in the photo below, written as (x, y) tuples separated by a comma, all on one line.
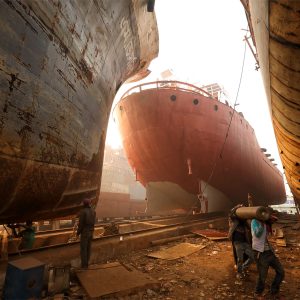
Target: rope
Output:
[(226, 136)]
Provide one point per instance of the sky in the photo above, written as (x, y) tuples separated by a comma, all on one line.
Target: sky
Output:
[(202, 42)]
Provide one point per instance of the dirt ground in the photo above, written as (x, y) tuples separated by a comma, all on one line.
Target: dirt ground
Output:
[(209, 273)]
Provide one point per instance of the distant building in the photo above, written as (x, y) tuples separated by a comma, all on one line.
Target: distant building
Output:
[(118, 177), (120, 195)]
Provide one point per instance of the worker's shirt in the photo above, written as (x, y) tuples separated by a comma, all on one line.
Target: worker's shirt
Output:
[(239, 234), (87, 220), (28, 237), (259, 236), (237, 230)]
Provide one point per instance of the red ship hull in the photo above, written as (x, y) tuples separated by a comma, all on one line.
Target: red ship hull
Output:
[(178, 136)]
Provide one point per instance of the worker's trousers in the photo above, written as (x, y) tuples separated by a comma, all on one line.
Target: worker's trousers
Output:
[(85, 247), (242, 249), (265, 260)]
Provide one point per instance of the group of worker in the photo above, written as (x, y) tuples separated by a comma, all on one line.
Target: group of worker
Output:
[(250, 243), (249, 240)]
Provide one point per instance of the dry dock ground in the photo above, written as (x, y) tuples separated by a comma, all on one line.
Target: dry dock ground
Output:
[(208, 273)]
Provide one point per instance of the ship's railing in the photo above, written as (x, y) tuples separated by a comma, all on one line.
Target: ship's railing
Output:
[(167, 84)]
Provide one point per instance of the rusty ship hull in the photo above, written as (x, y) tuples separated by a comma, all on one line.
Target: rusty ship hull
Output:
[(175, 140), (61, 64), (275, 31)]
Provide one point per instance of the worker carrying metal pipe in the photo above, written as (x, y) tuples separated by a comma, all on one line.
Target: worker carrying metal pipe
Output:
[(265, 257), (239, 234)]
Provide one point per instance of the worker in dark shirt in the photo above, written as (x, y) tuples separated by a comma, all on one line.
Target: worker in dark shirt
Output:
[(241, 242), (85, 229)]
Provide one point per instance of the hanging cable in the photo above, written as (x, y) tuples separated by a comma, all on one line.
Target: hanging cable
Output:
[(226, 136), (227, 132)]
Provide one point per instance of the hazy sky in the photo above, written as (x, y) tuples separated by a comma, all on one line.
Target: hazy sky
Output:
[(202, 42)]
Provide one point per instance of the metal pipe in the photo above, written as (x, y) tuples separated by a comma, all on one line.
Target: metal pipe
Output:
[(255, 212)]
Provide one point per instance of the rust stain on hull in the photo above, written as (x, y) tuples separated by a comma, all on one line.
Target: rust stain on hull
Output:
[(61, 64)]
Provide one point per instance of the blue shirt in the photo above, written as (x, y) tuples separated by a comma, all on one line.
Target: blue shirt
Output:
[(259, 236)]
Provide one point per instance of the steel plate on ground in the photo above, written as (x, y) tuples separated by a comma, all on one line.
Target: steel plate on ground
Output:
[(113, 279)]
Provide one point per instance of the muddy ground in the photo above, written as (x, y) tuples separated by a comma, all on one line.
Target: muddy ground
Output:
[(209, 273)]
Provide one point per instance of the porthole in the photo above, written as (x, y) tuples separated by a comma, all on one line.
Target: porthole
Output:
[(216, 107), (121, 107), (195, 101), (173, 97)]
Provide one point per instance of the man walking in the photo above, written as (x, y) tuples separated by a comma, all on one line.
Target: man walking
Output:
[(265, 257), (239, 234), (85, 229)]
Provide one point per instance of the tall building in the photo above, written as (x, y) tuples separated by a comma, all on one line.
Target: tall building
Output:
[(118, 177)]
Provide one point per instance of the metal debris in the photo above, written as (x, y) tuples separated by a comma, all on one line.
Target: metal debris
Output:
[(281, 242), (212, 234), (279, 233)]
